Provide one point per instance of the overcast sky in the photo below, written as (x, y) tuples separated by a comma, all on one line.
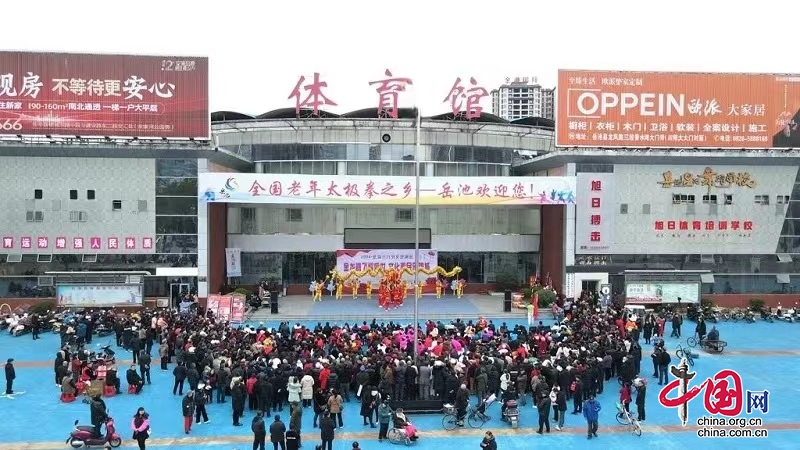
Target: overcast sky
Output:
[(258, 49)]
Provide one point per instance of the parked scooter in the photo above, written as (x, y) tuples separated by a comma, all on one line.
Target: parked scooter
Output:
[(511, 413), (19, 326), (83, 436)]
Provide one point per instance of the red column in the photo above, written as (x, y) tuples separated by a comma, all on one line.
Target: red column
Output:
[(217, 241), (551, 244)]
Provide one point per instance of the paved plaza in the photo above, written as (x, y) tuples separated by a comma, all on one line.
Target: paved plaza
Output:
[(764, 354)]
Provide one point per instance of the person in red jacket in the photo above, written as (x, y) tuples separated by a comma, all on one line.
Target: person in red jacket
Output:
[(252, 400), (323, 377), (625, 396)]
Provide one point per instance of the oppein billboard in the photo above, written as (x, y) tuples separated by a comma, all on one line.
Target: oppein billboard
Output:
[(103, 95), (677, 110)]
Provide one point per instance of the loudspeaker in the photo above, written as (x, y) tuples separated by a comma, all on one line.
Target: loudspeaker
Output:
[(273, 302)]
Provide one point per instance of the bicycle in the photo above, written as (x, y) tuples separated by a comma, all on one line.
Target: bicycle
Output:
[(692, 341), (476, 416), (685, 352), (630, 420), (622, 417), (476, 419), (450, 419)]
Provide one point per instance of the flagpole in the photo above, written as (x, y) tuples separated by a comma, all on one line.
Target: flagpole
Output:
[(416, 234)]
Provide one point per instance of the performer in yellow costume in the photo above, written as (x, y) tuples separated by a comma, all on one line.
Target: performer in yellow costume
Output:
[(406, 287), (339, 288), (318, 291), (460, 288), (369, 290), (438, 287), (420, 285), (354, 286)]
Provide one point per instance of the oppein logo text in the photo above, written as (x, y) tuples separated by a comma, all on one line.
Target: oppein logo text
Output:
[(590, 103)]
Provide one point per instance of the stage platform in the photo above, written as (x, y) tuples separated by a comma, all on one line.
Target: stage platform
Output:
[(303, 308)]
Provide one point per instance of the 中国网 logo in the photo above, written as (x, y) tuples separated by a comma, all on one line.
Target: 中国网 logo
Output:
[(723, 394)]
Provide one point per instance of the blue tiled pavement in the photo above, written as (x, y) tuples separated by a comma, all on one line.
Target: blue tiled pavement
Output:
[(39, 404)]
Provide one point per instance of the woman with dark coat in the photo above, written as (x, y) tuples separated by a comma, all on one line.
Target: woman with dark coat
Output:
[(326, 431), (320, 403), (641, 392), (368, 395), (488, 442)]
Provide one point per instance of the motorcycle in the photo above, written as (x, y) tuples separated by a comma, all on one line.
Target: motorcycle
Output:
[(104, 330), (105, 353), (83, 436), (786, 315), (19, 325), (511, 413)]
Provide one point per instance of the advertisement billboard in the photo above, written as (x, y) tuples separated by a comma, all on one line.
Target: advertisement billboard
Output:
[(594, 214), (103, 95), (360, 260), (93, 296), (677, 110), (662, 292), (380, 190)]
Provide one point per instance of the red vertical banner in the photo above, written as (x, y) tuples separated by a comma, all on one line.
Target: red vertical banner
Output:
[(238, 302), (212, 303), (224, 309)]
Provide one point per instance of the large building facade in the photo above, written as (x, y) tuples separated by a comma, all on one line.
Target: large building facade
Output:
[(102, 213), (298, 243), (726, 221)]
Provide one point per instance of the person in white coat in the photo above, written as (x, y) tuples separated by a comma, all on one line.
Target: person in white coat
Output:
[(307, 390), (293, 388), (505, 380)]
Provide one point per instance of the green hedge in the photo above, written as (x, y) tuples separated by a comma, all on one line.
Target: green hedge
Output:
[(42, 308)]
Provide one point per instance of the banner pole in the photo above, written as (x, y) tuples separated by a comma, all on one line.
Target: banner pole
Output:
[(416, 236)]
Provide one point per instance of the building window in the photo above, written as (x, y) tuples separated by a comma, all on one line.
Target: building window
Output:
[(116, 205), (90, 194), (78, 216), (294, 215), (710, 199), (646, 208), (678, 199), (761, 199), (38, 194), (143, 205), (73, 194), (782, 199), (404, 215), (623, 208), (34, 216), (728, 199)]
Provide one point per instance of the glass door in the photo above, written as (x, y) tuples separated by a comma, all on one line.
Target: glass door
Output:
[(177, 292)]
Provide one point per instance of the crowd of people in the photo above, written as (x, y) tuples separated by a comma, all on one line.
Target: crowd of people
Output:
[(320, 369)]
